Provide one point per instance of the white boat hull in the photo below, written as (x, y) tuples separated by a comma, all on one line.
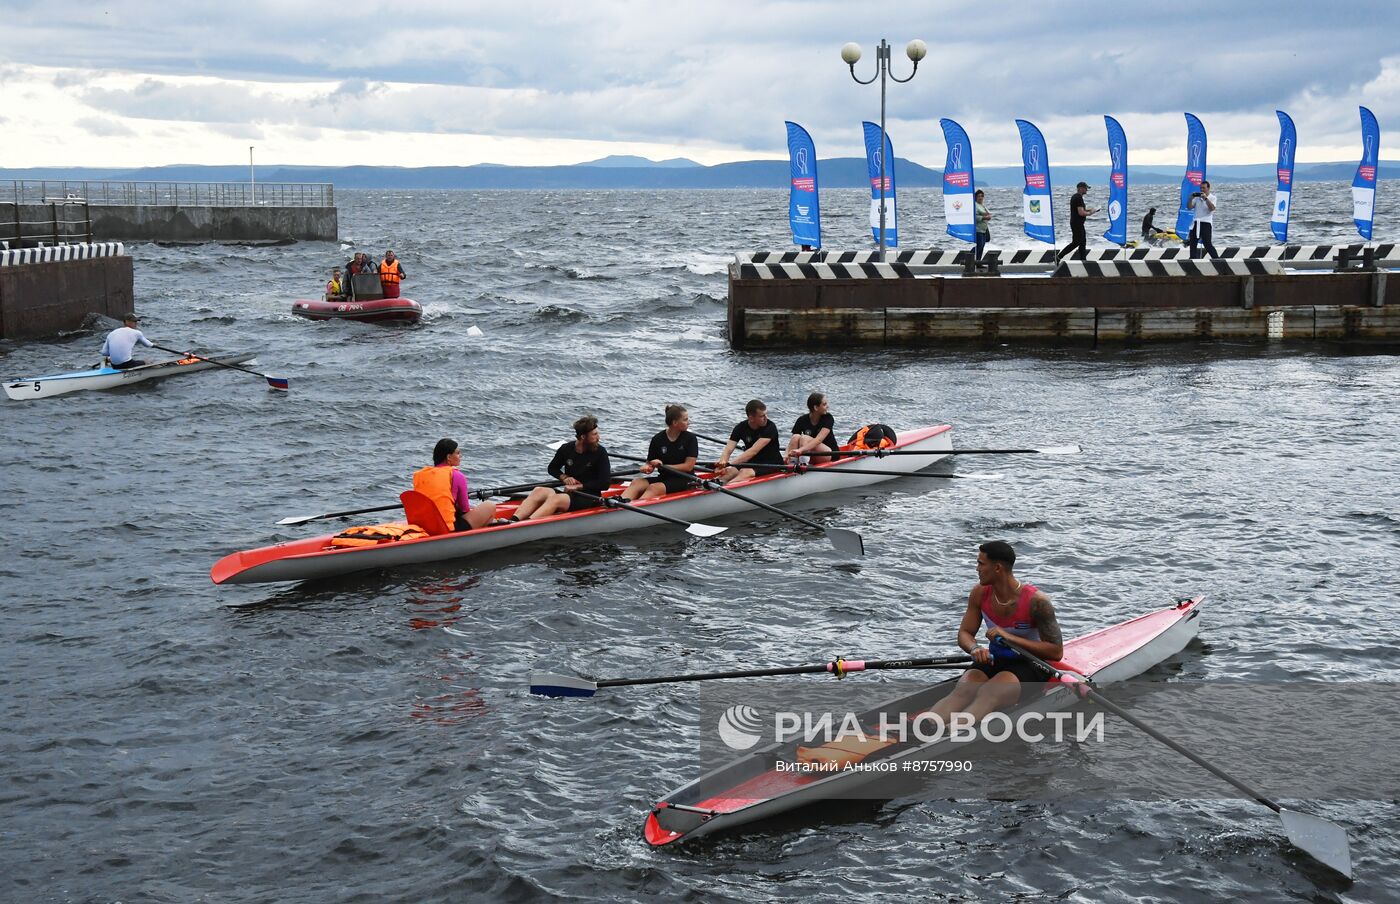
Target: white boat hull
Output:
[(111, 377)]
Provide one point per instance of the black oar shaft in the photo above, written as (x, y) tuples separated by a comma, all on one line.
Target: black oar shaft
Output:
[(175, 351), (615, 502), (1151, 732), (933, 663), (795, 469)]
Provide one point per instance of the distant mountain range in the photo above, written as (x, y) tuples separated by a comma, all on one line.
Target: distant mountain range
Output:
[(624, 172)]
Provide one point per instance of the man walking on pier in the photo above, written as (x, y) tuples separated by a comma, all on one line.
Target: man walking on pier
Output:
[(1078, 213), (1203, 206)]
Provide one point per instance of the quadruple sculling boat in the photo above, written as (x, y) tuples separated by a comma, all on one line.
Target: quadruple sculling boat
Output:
[(753, 787), (112, 378), (301, 560)]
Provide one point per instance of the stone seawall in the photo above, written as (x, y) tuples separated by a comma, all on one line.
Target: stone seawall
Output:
[(167, 223), (48, 298)]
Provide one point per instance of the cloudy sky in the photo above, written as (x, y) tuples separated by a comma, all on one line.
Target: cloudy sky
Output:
[(418, 83)]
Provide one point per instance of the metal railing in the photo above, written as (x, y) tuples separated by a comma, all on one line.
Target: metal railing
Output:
[(70, 222), (170, 194)]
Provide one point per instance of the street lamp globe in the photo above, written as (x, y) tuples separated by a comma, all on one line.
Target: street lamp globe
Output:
[(916, 50), (851, 53)]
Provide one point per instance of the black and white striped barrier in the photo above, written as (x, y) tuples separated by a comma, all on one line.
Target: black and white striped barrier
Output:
[(1204, 267), (14, 257), (912, 263)]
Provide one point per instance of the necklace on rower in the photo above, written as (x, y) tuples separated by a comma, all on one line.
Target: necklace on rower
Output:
[(1014, 595)]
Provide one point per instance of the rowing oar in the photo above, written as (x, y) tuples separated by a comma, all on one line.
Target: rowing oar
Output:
[(478, 494), (548, 684), (881, 453), (797, 469), (695, 528), (847, 541), (1325, 841), (273, 382)]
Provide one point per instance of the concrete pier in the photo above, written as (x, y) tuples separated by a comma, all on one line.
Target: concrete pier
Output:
[(44, 291), (852, 300)]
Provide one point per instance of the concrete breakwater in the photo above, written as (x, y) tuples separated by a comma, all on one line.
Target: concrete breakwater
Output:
[(49, 290), (930, 298)]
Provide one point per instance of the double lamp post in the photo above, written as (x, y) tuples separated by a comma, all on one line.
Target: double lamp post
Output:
[(916, 51)]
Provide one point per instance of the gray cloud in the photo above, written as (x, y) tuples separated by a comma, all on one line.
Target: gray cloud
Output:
[(103, 127), (726, 74)]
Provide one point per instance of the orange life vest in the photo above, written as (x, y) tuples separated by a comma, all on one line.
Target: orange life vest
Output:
[(436, 483), (374, 534), (873, 436), (390, 273)]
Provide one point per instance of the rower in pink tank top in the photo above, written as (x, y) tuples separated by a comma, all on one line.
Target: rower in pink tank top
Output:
[(1019, 622)]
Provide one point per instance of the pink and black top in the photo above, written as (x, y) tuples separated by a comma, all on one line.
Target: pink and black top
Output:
[(1019, 622)]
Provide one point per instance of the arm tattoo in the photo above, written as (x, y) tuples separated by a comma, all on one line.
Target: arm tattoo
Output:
[(1043, 614)]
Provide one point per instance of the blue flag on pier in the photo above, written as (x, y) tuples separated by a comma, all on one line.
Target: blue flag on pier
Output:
[(1363, 185), (1117, 183), (873, 155), (1035, 196), (1195, 172), (959, 184), (1283, 193), (804, 208)]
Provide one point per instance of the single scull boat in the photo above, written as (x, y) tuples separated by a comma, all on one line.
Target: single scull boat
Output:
[(752, 787), (111, 377)]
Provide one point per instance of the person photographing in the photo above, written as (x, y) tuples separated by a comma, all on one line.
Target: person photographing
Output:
[(1203, 208)]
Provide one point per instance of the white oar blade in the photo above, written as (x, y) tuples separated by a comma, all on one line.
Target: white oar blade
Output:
[(1325, 841), (475, 331), (846, 541), (705, 530), (548, 684), (298, 519), (976, 476), (1060, 450)]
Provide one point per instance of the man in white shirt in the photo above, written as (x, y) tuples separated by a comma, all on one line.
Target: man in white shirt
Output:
[(116, 351), (1203, 206)]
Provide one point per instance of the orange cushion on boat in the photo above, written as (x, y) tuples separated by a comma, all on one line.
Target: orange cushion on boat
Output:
[(838, 754), (375, 534), (422, 511)]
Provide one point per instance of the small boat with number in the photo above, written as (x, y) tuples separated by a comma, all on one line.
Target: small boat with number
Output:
[(113, 378)]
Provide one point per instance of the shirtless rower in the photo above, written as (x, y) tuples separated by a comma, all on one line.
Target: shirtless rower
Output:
[(1013, 610), (759, 437)]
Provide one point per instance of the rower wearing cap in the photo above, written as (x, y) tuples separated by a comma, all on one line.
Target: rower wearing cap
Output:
[(121, 342), (1017, 614)]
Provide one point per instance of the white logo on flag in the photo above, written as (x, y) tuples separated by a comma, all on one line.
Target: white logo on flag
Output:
[(955, 155), (802, 160)]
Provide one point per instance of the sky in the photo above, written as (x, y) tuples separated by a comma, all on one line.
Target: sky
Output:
[(418, 83)]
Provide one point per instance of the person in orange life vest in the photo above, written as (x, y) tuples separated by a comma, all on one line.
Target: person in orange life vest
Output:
[(391, 274), (675, 446), (335, 291), (585, 469), (1018, 613), (446, 486), (815, 431)]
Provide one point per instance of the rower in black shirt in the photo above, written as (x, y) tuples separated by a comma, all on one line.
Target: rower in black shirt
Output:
[(815, 431), (759, 438), (675, 446), (583, 466)]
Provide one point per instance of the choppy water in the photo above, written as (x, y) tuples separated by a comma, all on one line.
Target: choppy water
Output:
[(371, 738)]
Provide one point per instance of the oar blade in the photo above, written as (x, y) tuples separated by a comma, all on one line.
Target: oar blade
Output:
[(976, 476), (298, 519), (846, 541), (1323, 840), (1060, 450), (705, 530), (549, 684), (282, 384)]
